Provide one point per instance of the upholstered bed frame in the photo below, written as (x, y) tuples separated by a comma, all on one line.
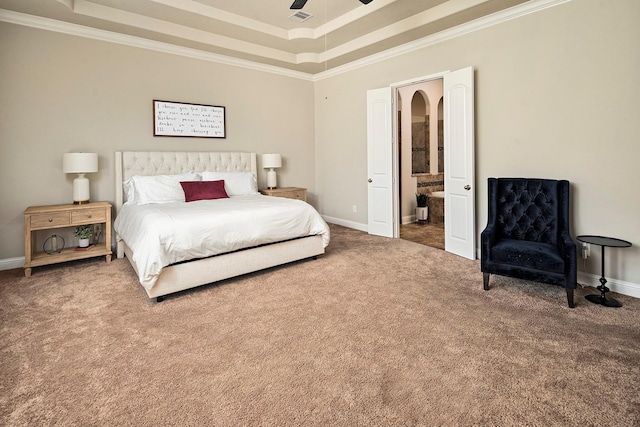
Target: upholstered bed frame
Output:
[(190, 274)]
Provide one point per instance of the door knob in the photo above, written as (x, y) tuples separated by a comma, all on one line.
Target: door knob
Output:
[(369, 180), (467, 187)]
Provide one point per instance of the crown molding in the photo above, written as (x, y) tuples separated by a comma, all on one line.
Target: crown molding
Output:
[(138, 42), (222, 15), (466, 28), (241, 21), (132, 41)]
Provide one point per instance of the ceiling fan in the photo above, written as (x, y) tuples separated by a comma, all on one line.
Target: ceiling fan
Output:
[(299, 4)]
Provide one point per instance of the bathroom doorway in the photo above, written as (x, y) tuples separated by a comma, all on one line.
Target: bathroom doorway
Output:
[(383, 218), (420, 110)]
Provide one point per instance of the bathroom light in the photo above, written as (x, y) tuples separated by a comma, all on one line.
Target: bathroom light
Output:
[(271, 161), (80, 163)]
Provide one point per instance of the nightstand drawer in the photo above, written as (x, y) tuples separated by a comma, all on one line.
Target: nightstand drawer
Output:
[(293, 194), (50, 219), (298, 193), (88, 216)]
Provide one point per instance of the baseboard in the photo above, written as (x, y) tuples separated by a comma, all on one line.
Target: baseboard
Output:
[(11, 263), (349, 224), (618, 286), (408, 219)]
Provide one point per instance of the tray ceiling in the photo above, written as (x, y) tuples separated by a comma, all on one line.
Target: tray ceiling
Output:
[(337, 33)]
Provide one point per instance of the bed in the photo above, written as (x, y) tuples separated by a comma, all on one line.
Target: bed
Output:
[(176, 270)]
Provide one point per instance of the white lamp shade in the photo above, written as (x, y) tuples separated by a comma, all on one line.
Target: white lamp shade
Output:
[(80, 162), (271, 161)]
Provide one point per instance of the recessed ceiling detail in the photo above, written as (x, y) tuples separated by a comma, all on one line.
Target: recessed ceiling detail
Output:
[(341, 31)]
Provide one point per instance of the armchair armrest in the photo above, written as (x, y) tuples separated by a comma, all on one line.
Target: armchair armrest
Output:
[(568, 251), (488, 238)]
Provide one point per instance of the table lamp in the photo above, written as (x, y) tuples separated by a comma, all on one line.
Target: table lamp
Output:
[(80, 163), (271, 161)]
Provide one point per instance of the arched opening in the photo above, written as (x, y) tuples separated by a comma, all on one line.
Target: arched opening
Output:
[(441, 135), (420, 133)]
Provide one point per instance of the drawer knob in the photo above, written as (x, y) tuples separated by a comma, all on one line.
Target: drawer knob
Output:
[(89, 216), (50, 219)]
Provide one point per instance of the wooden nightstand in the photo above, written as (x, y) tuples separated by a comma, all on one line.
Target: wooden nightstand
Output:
[(61, 216), (288, 192)]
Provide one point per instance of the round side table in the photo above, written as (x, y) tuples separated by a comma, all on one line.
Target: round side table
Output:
[(604, 242)]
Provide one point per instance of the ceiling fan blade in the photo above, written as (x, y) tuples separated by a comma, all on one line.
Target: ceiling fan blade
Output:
[(365, 1), (299, 4)]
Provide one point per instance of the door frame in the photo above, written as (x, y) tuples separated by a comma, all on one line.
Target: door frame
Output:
[(395, 156), (469, 228)]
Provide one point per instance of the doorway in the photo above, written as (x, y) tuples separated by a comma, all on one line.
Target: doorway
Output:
[(459, 161), (420, 127)]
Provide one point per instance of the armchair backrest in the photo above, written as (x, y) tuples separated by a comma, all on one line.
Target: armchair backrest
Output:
[(528, 208)]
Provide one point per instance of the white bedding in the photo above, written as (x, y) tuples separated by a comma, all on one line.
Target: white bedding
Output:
[(161, 234)]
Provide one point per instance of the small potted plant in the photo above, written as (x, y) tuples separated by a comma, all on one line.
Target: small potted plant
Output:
[(422, 211), (83, 233)]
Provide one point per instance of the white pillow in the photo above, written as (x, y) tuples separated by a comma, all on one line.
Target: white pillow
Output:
[(141, 189), (235, 183), (129, 192)]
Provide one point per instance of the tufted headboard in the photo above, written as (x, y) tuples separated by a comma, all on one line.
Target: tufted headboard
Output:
[(130, 163)]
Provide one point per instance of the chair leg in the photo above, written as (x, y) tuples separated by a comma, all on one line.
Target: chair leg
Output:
[(570, 298), (485, 281)]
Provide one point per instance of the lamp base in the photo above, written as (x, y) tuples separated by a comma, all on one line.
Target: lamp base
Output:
[(272, 181), (81, 190)]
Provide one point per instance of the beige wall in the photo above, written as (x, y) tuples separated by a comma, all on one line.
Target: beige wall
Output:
[(61, 93), (540, 112)]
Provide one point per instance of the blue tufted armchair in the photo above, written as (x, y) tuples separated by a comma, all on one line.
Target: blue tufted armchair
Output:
[(527, 234)]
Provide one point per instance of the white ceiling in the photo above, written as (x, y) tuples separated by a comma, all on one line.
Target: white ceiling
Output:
[(339, 31)]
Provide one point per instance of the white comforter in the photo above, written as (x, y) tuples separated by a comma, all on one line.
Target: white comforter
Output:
[(165, 233)]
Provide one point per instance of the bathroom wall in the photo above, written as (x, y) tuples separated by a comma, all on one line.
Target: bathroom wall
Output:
[(440, 141), (427, 184), (420, 146), (430, 183)]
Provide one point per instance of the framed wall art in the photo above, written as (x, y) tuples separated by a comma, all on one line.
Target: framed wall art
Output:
[(188, 120)]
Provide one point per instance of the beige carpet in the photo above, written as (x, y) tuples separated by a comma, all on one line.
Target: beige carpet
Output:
[(377, 332)]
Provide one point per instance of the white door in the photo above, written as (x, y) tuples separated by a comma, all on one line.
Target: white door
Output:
[(379, 161), (459, 172)]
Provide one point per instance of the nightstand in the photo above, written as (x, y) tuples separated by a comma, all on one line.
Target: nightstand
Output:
[(61, 216), (288, 192)]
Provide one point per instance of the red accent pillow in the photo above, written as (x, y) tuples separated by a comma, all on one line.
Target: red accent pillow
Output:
[(203, 190)]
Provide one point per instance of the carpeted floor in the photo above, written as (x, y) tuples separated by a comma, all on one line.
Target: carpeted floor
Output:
[(376, 332)]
